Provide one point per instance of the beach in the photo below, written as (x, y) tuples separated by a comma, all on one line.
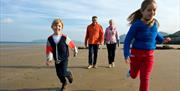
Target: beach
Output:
[(22, 68)]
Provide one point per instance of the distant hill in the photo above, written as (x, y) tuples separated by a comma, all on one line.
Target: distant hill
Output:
[(39, 41), (163, 33), (122, 37), (175, 38), (44, 41), (176, 34)]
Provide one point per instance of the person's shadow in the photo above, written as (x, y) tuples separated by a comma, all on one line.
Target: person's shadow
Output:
[(33, 89), (40, 89), (38, 67)]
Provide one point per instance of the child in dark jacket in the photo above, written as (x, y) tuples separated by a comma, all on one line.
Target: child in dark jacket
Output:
[(57, 48)]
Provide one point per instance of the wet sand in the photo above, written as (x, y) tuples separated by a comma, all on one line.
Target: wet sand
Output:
[(22, 68)]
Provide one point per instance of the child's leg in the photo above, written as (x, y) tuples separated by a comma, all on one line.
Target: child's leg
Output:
[(135, 64), (66, 72), (145, 72), (59, 73)]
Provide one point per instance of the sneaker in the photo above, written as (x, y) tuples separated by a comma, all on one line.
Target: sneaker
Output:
[(113, 64), (70, 78), (109, 66), (128, 74), (90, 66), (94, 66), (64, 86)]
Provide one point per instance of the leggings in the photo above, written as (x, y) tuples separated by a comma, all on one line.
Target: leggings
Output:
[(111, 48)]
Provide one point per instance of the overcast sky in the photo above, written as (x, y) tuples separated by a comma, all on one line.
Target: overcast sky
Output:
[(27, 20)]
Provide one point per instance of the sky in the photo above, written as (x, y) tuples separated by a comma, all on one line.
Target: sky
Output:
[(28, 20)]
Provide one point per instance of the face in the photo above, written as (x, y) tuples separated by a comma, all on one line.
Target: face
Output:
[(94, 20), (57, 27), (149, 12), (111, 23)]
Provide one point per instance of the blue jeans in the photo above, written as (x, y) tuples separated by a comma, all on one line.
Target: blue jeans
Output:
[(93, 51)]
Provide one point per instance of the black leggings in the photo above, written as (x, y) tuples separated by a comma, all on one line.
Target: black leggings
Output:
[(111, 48)]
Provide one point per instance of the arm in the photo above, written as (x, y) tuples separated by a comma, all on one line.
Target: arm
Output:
[(161, 39), (101, 35), (130, 35), (117, 38), (71, 44), (86, 37), (105, 35), (49, 54)]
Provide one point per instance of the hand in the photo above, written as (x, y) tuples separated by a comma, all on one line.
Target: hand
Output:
[(75, 54), (48, 63), (86, 45), (168, 39), (75, 51), (127, 61), (118, 44), (101, 43)]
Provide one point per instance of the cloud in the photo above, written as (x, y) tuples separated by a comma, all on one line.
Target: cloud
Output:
[(7, 21), (27, 15)]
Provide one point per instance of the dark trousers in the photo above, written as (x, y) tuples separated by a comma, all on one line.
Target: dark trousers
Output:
[(93, 52), (62, 71), (111, 48)]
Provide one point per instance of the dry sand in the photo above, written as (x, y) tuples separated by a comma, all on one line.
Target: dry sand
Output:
[(22, 68)]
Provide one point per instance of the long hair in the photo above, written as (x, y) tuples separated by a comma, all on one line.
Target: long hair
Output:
[(137, 14)]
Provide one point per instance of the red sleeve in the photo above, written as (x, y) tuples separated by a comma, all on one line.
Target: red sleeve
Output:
[(48, 48)]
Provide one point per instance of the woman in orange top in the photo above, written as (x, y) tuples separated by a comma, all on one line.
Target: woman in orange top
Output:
[(94, 37)]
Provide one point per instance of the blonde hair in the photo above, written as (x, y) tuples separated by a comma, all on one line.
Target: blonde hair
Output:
[(57, 21), (137, 14)]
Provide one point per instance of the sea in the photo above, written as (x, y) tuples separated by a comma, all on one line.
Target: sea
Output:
[(21, 43), (10, 46)]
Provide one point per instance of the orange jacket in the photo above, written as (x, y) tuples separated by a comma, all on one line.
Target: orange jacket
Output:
[(94, 34)]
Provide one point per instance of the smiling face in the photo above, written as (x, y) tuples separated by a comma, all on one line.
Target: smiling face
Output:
[(57, 27), (149, 12)]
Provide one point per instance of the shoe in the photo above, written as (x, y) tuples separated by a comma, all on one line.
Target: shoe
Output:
[(64, 86), (70, 78), (109, 66), (94, 66), (128, 74), (113, 64), (90, 66)]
